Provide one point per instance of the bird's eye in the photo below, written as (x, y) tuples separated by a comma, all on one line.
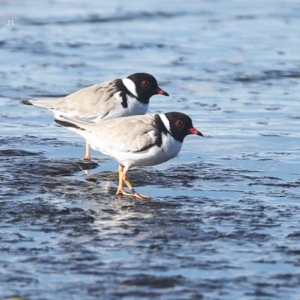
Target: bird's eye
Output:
[(145, 83), (179, 123)]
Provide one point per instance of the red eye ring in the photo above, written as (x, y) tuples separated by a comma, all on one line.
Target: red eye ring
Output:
[(145, 83), (179, 123)]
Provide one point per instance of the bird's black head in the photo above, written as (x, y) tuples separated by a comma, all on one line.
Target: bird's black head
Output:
[(146, 86), (181, 125)]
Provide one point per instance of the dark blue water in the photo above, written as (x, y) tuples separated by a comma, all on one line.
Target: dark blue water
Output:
[(223, 221)]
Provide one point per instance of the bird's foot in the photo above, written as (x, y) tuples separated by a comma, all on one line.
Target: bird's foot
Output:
[(139, 196), (123, 192), (87, 158), (133, 193)]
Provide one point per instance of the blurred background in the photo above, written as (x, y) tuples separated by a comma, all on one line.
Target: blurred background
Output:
[(223, 222)]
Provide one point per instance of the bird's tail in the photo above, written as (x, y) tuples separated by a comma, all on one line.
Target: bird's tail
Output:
[(48, 103), (67, 124), (26, 102)]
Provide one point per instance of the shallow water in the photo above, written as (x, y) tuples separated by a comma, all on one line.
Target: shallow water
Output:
[(224, 215)]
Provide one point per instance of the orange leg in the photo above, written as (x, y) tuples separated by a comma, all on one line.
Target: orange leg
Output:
[(87, 152), (120, 186), (123, 177)]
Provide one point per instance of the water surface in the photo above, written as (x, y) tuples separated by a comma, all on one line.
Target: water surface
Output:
[(223, 221)]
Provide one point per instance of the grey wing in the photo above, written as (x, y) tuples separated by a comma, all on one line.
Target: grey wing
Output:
[(127, 134), (90, 103)]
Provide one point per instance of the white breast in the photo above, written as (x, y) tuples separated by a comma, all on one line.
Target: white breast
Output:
[(152, 156), (134, 107)]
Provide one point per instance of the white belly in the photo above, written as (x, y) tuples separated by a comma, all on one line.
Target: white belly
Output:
[(153, 156), (134, 107)]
